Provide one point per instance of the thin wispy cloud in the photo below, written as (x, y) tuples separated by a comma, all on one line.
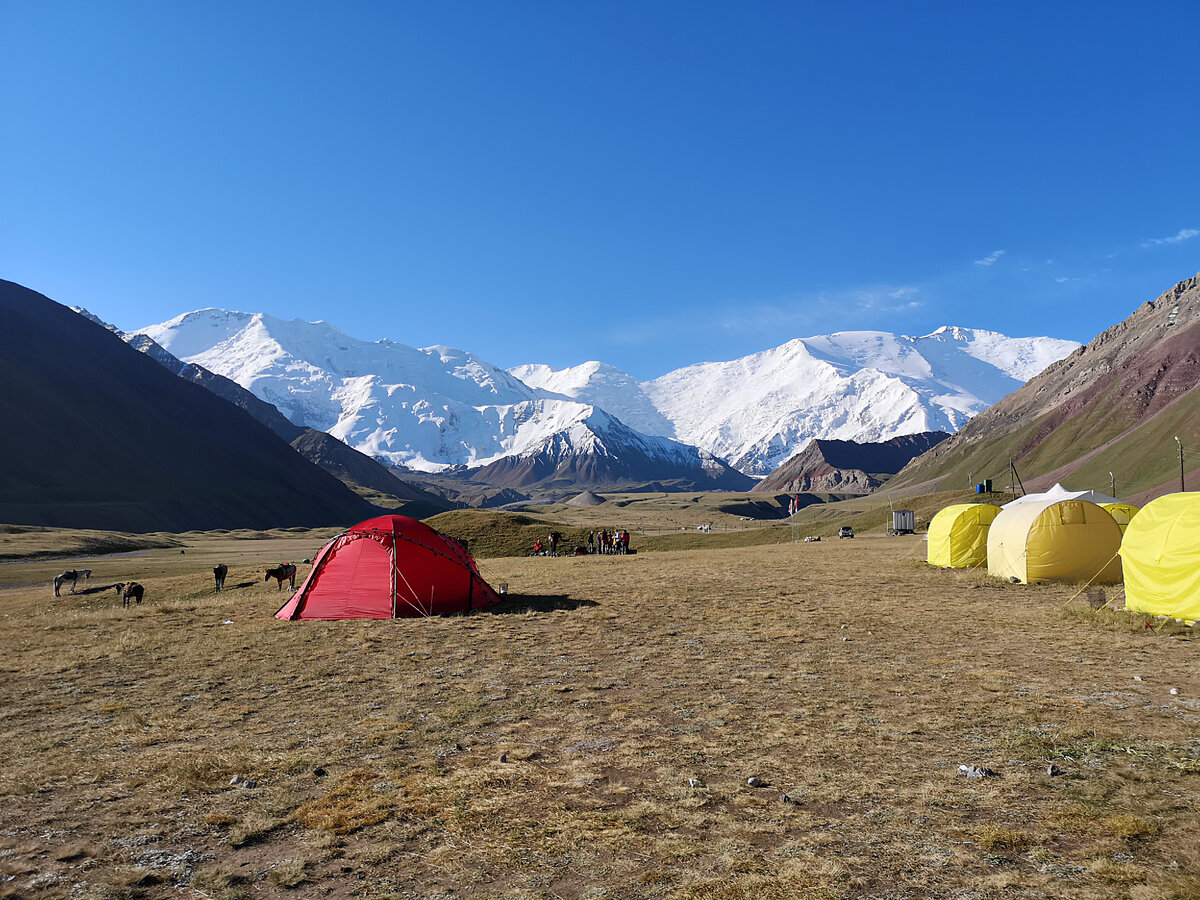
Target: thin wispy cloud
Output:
[(1178, 238), (990, 259)]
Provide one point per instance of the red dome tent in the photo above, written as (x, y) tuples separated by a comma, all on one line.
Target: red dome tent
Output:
[(387, 568)]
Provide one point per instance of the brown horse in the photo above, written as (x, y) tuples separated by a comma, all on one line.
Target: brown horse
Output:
[(283, 572), (130, 590)]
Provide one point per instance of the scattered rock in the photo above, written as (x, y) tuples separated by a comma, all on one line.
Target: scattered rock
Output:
[(320, 772), (754, 781), (1013, 579), (503, 757), (1137, 677), (977, 772), (236, 779), (1054, 771), (788, 798), (182, 866), (1174, 691), (694, 782)]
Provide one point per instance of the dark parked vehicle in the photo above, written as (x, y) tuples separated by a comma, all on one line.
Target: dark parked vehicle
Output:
[(846, 531)]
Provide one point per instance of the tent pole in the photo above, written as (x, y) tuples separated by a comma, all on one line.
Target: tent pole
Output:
[(1016, 479), (395, 562)]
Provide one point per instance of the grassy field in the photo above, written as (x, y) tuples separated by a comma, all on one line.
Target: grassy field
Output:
[(593, 737)]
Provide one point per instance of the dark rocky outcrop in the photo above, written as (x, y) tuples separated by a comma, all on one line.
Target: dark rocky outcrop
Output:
[(847, 466)]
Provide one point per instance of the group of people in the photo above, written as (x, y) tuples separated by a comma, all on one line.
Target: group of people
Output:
[(608, 542), (548, 547), (604, 541)]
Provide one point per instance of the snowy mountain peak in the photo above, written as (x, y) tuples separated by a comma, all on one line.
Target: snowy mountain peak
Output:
[(866, 386), (440, 407)]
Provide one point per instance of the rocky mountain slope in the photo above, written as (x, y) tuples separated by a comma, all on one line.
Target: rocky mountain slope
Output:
[(1109, 412), (847, 466), (377, 482)]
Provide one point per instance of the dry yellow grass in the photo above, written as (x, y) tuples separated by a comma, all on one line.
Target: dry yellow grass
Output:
[(547, 748)]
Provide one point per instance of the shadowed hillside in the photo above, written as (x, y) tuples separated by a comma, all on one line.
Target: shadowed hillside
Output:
[(101, 436)]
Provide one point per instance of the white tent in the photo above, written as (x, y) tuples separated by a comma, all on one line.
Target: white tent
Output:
[(1059, 493)]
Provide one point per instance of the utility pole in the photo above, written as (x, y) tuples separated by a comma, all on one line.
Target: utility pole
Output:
[(1180, 443)]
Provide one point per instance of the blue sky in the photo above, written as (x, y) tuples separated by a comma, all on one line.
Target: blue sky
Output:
[(650, 184)]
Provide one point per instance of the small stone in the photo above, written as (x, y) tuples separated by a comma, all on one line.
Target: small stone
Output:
[(1137, 677), (1013, 579), (458, 747), (1054, 771), (249, 783), (236, 779), (754, 781), (693, 782), (845, 639), (503, 757), (320, 772), (1174, 691), (976, 772), (787, 798)]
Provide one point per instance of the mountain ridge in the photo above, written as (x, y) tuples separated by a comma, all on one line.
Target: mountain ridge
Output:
[(438, 409), (1109, 412), (110, 439)]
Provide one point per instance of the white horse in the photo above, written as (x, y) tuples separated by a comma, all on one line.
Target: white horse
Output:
[(72, 575)]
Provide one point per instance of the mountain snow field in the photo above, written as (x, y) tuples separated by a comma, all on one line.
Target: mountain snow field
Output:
[(435, 408)]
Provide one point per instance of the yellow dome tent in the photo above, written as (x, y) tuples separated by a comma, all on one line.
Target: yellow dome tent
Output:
[(1161, 553), (1054, 540), (958, 535), (1122, 512)]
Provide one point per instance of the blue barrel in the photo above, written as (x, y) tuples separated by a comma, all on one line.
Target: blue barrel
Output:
[(979, 488)]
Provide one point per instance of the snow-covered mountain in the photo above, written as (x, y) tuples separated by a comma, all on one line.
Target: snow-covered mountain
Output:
[(865, 386), (437, 408), (430, 409)]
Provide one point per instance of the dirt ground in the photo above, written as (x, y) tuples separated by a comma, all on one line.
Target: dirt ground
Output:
[(594, 736)]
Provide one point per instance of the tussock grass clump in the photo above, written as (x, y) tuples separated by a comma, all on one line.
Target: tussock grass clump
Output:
[(358, 799)]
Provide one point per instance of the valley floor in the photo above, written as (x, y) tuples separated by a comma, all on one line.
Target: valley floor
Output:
[(593, 737)]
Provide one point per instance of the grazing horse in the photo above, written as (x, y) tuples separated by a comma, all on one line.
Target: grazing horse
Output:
[(283, 572), (219, 573), (72, 575), (130, 590)]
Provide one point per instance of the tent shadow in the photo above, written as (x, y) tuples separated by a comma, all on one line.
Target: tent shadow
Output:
[(523, 603)]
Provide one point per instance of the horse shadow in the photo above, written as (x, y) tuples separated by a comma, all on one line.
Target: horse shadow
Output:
[(523, 603), (98, 589)]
